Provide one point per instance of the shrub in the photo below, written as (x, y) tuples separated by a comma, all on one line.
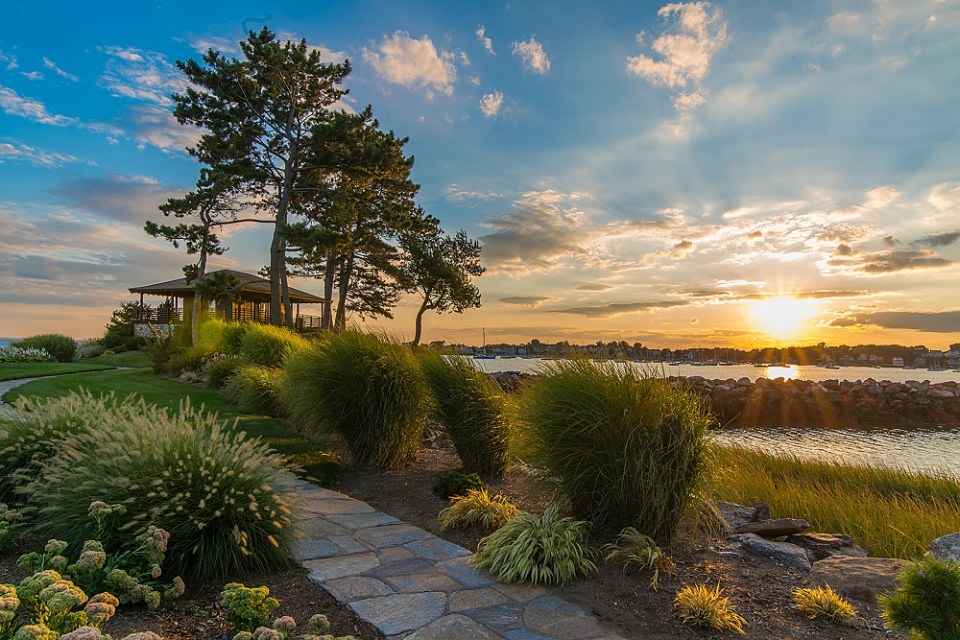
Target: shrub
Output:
[(625, 449), (254, 389), (91, 349), (211, 332), (269, 346), (477, 508), (369, 391), (233, 333), (543, 549), (16, 354), (219, 370), (224, 498), (635, 550), (35, 429), (62, 348), (927, 602), (454, 483), (703, 607), (190, 359), (824, 602), (470, 407)]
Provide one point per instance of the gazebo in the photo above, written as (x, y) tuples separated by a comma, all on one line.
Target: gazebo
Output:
[(248, 300)]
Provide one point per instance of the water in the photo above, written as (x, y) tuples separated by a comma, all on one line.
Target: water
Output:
[(919, 449), (927, 450), (801, 372), (6, 342)]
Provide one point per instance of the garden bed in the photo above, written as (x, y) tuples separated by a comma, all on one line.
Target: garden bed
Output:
[(759, 589)]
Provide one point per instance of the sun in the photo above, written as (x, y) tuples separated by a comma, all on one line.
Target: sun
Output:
[(783, 317)]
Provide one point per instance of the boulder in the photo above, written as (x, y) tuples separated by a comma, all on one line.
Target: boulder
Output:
[(774, 528), (946, 548), (734, 514), (824, 545), (782, 552), (858, 578)]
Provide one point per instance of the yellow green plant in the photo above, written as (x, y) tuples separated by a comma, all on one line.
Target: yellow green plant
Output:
[(477, 508), (701, 606), (926, 603), (824, 602), (635, 550), (547, 549)]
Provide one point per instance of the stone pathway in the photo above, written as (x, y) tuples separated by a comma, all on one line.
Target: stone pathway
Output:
[(410, 584)]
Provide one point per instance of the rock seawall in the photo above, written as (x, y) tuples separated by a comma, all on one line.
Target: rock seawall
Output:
[(808, 403)]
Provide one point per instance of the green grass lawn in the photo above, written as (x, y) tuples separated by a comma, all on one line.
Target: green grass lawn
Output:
[(167, 392), (15, 370)]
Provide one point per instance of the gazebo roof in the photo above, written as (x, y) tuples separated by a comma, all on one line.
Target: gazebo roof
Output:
[(251, 287)]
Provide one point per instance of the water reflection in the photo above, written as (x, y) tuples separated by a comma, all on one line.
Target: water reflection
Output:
[(915, 449)]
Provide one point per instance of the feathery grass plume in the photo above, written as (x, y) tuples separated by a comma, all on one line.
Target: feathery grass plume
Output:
[(824, 602), (35, 428), (255, 389), (624, 447), (636, 550), (224, 498), (268, 345), (368, 390), (470, 407), (889, 512), (546, 549), (703, 607), (477, 508), (927, 602)]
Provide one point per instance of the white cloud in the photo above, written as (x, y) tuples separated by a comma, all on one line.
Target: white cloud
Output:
[(685, 50), (327, 56), (410, 62), (201, 44), (32, 75), (474, 80), (50, 64), (37, 157), (457, 193), (491, 103), (532, 55), (141, 75), (15, 105), (11, 61), (157, 127), (484, 39)]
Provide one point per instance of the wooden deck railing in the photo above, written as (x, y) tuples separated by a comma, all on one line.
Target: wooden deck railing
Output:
[(174, 316)]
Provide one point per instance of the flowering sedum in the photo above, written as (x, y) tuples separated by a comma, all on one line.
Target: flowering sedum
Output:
[(35, 632)]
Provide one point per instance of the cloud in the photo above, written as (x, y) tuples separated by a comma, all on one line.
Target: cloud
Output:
[(141, 75), (409, 62), (201, 44), (156, 126), (685, 51), (932, 322), (9, 61), (544, 228), (15, 105), (491, 103), (618, 308), (457, 193), (939, 239), (532, 56), (122, 198), (594, 287), (484, 39), (526, 301), (36, 157), (50, 64), (32, 75), (883, 262)]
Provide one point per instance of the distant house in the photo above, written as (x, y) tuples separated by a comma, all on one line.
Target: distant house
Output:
[(248, 300)]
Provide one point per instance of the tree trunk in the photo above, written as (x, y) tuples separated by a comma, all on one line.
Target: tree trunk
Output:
[(278, 247), (329, 276), (285, 289), (195, 311), (341, 320), (419, 323)]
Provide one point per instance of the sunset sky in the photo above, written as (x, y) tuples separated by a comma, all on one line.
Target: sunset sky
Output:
[(715, 174)]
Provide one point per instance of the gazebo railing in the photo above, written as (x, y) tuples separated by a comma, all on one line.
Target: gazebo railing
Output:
[(159, 316)]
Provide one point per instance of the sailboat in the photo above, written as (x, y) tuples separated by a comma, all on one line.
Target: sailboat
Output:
[(483, 355)]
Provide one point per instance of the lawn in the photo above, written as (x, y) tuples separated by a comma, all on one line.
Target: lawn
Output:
[(15, 370), (168, 392)]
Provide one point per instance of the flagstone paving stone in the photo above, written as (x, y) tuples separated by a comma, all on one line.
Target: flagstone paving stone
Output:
[(412, 585)]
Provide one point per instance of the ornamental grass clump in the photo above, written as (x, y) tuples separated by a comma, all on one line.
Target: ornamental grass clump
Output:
[(268, 345), (455, 483), (35, 429), (224, 498), (255, 389), (368, 390), (701, 606), (626, 449), (477, 509), (634, 550), (824, 602), (927, 602), (469, 405), (547, 549)]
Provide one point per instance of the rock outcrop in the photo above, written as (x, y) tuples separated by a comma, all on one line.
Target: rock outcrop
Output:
[(946, 548), (859, 578)]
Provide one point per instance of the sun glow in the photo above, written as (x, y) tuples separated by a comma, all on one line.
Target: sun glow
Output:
[(783, 317)]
